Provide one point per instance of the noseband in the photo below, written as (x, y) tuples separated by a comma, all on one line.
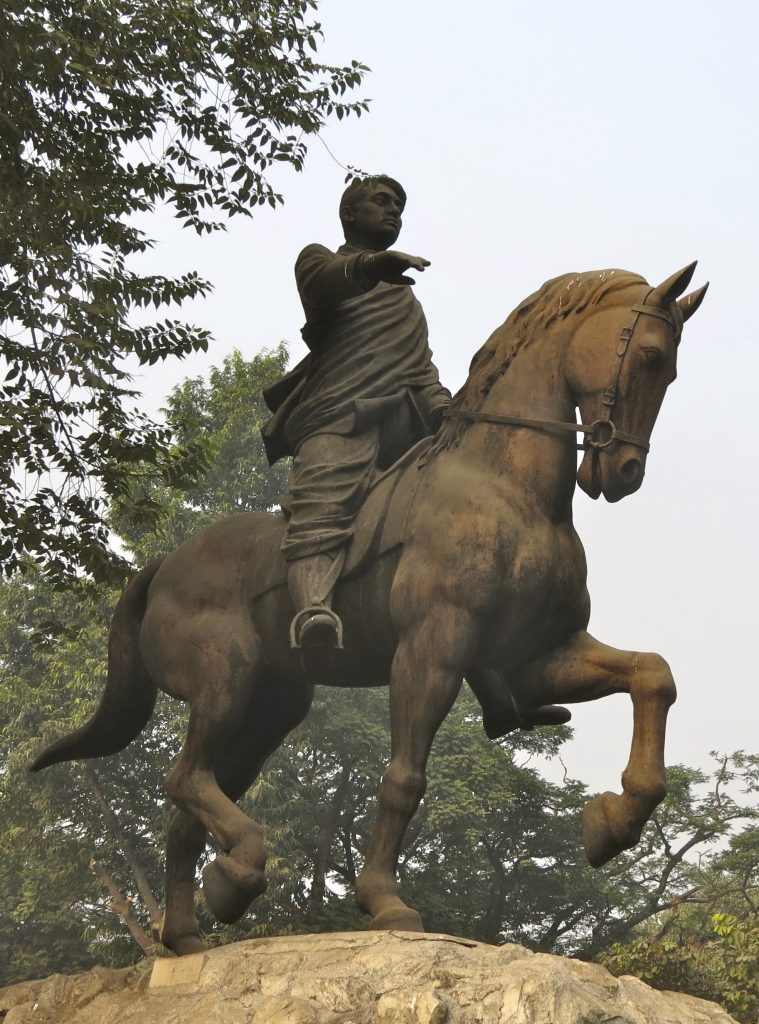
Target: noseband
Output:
[(602, 433)]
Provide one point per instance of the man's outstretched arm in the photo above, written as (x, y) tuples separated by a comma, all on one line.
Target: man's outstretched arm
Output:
[(325, 278)]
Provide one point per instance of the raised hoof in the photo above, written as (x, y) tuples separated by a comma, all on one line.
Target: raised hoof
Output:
[(186, 945), (397, 919), (546, 714), (605, 834), (226, 899)]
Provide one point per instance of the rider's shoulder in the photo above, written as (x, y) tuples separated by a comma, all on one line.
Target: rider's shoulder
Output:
[(314, 251)]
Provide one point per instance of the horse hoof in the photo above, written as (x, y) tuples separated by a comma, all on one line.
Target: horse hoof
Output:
[(397, 919), (605, 834), (185, 945), (227, 899), (546, 714)]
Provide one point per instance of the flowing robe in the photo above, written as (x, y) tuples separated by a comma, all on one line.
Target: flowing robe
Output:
[(369, 364)]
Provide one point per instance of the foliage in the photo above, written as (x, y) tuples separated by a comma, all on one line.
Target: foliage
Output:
[(737, 954), (81, 852), (110, 108), (706, 942), (225, 415), (722, 966), (74, 833)]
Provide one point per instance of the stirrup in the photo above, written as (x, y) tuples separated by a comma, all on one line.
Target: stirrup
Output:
[(300, 619)]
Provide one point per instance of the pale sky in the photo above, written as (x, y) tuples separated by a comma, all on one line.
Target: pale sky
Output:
[(534, 140)]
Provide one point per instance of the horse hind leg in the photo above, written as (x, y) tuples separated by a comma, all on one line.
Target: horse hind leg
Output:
[(260, 731), (584, 670), (276, 709), (185, 842), (216, 670)]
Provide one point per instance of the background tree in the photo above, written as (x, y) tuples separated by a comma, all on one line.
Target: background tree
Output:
[(707, 943), (81, 851), (721, 963), (109, 108), (222, 415)]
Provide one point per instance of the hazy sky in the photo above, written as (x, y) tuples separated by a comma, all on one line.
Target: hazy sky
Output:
[(534, 140)]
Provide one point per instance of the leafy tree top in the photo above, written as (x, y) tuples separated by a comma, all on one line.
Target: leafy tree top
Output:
[(108, 108)]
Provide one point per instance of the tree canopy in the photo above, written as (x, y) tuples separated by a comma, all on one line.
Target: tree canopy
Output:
[(109, 108)]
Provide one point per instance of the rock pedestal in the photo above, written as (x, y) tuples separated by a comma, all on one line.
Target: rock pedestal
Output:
[(353, 978)]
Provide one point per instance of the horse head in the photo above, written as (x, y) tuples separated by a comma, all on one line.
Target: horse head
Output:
[(620, 362)]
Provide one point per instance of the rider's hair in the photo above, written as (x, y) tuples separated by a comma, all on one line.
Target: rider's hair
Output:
[(359, 187)]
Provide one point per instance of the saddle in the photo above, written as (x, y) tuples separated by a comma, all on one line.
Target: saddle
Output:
[(381, 522), (380, 525)]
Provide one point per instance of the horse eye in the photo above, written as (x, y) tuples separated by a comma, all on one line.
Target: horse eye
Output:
[(653, 356)]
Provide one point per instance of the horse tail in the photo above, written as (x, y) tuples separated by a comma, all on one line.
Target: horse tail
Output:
[(130, 694)]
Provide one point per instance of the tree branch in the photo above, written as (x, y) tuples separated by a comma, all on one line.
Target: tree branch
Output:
[(324, 844), (114, 826), (122, 905)]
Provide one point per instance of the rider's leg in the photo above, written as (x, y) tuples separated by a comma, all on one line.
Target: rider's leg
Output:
[(311, 583), (330, 476), (311, 580)]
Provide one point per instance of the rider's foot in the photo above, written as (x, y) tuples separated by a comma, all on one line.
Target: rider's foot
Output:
[(317, 632), (316, 627)]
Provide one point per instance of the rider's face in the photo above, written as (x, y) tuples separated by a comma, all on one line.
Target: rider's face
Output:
[(375, 220)]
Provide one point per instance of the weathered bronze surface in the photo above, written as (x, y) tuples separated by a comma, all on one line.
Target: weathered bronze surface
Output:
[(481, 575), (367, 391)]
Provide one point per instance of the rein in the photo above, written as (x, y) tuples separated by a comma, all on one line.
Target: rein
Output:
[(603, 427), (602, 432)]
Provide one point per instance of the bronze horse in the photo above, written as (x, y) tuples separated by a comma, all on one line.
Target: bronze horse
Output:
[(489, 583)]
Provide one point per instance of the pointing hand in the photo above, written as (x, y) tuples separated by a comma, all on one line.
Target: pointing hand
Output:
[(390, 266)]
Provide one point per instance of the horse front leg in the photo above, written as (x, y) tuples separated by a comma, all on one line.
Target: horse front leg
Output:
[(426, 678), (585, 669)]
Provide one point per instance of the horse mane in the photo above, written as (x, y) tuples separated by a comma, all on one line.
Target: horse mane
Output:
[(555, 300)]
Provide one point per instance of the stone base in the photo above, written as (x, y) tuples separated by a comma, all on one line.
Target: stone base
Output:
[(353, 978)]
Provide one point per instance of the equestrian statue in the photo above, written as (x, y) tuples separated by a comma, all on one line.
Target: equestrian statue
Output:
[(424, 541)]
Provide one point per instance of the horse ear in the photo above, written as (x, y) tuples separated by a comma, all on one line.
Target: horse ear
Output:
[(669, 290), (690, 303)]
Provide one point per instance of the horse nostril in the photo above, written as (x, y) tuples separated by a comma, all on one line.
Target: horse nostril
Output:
[(631, 470)]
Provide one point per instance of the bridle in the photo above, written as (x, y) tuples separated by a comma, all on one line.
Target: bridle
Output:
[(602, 432)]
